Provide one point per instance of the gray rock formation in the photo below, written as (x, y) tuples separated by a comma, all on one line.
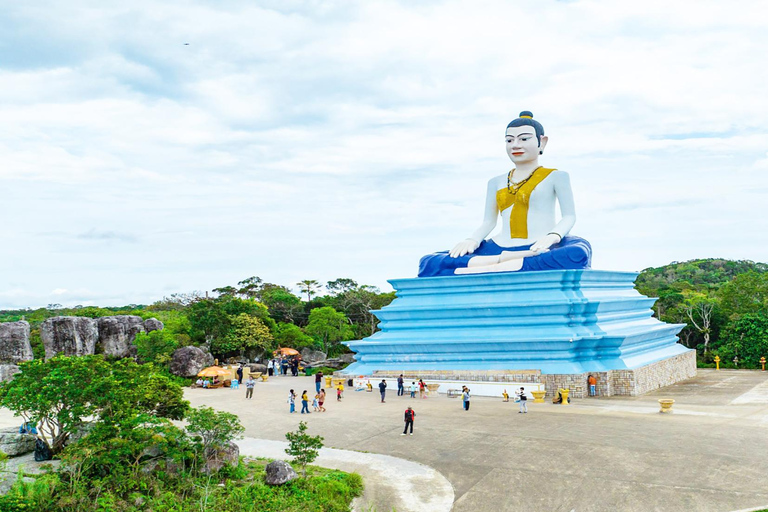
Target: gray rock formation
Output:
[(7, 371), (215, 459), (153, 324), (256, 367), (117, 334), (69, 335), (312, 356), (14, 342), (188, 361), (279, 472), (14, 444), (347, 358)]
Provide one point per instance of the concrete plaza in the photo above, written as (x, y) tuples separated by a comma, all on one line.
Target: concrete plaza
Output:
[(598, 454)]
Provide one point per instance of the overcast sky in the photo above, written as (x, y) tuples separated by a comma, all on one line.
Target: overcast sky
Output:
[(315, 140)]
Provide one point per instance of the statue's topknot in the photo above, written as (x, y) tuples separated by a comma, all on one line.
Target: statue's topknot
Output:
[(526, 119)]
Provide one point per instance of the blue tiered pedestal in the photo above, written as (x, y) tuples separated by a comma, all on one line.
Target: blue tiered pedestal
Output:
[(557, 322)]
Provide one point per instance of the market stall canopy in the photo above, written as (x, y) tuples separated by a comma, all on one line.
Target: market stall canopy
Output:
[(286, 352), (213, 371)]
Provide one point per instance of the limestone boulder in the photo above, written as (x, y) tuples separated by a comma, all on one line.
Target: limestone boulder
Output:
[(279, 472), (14, 342), (117, 334), (188, 361), (312, 356), (347, 358), (217, 458), (7, 371), (14, 444), (256, 367), (153, 324), (69, 335)]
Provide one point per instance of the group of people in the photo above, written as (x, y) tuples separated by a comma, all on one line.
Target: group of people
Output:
[(283, 365), (205, 383), (317, 402)]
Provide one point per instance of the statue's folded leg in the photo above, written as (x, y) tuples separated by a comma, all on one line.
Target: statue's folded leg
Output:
[(571, 253)]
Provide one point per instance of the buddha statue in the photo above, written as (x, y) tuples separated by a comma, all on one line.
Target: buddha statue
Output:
[(530, 238)]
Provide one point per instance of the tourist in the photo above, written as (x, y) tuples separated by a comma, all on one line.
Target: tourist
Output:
[(292, 400), (28, 427), (249, 385), (318, 381), (295, 367), (465, 398), (199, 382), (321, 400), (592, 381), (316, 402), (284, 365), (383, 389), (523, 400), (409, 417), (339, 391), (240, 373), (422, 389), (305, 403), (270, 368), (505, 395), (400, 386), (206, 383), (413, 389)]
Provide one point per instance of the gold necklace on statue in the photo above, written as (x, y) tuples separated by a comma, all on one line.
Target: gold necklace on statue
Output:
[(512, 188)]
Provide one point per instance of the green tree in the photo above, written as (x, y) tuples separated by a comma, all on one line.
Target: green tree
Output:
[(282, 304), (341, 285), (213, 429), (747, 339), (250, 288), (156, 346), (246, 332), (59, 394), (302, 447), (308, 286), (290, 335), (211, 319), (746, 293), (699, 309), (329, 327)]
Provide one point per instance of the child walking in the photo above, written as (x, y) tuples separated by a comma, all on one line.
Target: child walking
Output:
[(523, 401), (292, 400), (316, 403)]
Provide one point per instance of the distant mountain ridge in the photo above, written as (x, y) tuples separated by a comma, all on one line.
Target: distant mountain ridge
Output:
[(708, 273)]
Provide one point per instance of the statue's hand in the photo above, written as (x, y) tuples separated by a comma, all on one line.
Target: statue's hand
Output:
[(467, 246), (544, 243)]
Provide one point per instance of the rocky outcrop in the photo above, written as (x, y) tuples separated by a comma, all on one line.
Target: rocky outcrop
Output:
[(7, 371), (153, 324), (217, 458), (14, 444), (188, 361), (69, 335), (347, 358), (279, 472), (312, 356), (117, 334), (14, 342)]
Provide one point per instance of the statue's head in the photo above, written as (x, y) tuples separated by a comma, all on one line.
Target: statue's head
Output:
[(526, 119), (525, 139)]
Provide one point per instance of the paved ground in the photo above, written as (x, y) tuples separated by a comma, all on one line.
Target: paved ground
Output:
[(612, 454), (604, 454)]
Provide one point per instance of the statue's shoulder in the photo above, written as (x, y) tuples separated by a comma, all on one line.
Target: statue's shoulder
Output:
[(498, 182)]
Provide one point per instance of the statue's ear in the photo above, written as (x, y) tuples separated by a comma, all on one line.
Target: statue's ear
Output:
[(543, 143)]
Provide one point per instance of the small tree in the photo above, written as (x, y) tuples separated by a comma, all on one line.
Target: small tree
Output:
[(302, 447), (155, 346), (214, 429)]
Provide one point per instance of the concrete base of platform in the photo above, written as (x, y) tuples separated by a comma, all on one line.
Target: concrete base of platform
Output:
[(627, 382)]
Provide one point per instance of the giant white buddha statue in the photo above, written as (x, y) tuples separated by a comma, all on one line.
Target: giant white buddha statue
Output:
[(531, 238)]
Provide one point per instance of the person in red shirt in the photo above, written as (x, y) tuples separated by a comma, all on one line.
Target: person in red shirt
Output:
[(409, 417)]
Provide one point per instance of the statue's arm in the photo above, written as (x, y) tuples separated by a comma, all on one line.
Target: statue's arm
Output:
[(490, 217), (564, 194)]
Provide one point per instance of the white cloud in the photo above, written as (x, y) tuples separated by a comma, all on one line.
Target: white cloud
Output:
[(296, 140)]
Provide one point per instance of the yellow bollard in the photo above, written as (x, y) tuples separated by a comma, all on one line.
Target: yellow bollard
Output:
[(328, 382), (538, 396), (717, 362), (564, 394), (762, 362)]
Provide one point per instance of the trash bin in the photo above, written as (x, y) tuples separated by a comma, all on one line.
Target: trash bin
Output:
[(307, 371)]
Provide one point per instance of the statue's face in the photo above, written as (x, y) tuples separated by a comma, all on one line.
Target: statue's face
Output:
[(522, 144)]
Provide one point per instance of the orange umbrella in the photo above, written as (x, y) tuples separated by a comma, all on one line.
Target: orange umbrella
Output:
[(287, 351), (213, 371)]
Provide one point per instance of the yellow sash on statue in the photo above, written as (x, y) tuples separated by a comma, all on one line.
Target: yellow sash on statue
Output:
[(518, 217)]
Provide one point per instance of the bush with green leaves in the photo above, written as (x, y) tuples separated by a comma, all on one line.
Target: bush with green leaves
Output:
[(213, 429), (303, 447), (61, 393), (155, 347)]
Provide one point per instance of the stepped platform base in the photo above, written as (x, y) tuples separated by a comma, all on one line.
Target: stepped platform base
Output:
[(563, 324)]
